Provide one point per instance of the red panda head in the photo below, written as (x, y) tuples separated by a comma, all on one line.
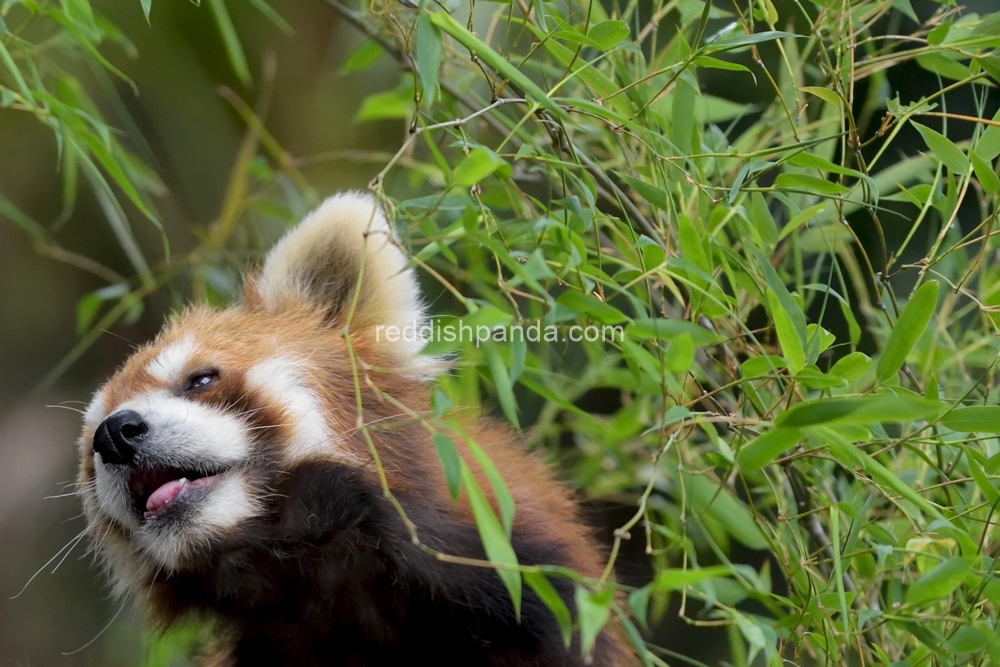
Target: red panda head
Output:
[(182, 447)]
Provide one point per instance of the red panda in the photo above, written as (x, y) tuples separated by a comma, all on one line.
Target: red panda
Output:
[(225, 475)]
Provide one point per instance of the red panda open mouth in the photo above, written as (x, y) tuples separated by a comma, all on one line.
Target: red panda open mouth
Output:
[(155, 489)]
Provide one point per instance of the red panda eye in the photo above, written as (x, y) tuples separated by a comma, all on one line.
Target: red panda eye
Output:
[(200, 380)]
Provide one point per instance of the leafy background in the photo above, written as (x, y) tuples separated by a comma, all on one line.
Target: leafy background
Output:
[(789, 206)]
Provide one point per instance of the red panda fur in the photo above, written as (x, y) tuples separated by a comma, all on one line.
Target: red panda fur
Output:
[(320, 568)]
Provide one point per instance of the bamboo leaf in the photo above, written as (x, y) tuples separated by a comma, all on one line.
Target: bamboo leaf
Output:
[(791, 343), (853, 366), (869, 409), (595, 79), (819, 186), (785, 299), (940, 582), (364, 55), (495, 541), (501, 65), (706, 497), (593, 610), (234, 50), (981, 478), (501, 381), (477, 165), (15, 73), (654, 195), (737, 41), (22, 220), (909, 327), (939, 63), (608, 34), (988, 146), (546, 592), (428, 58), (586, 304), (824, 94), (765, 448), (676, 579), (852, 457), (970, 639), (500, 491), (716, 63), (451, 463), (680, 354), (381, 106), (272, 16), (664, 329), (985, 174), (82, 16), (974, 419), (944, 149)]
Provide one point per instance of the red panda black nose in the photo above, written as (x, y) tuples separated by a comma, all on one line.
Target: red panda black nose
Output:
[(118, 436)]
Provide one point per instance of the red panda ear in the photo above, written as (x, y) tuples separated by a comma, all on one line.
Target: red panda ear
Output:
[(346, 239)]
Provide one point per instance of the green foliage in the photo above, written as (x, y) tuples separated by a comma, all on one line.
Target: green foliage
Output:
[(806, 325), (176, 646), (786, 385)]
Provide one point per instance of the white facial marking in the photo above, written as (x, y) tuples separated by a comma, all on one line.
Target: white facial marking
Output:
[(229, 501), (182, 433), (189, 431), (113, 496), (282, 381), (168, 366), (95, 412)]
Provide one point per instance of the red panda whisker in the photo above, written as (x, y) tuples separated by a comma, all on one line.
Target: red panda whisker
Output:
[(266, 496), (251, 411), (93, 550), (81, 488), (76, 541), (382, 419), (264, 426), (66, 485), (103, 630), (71, 494), (96, 548), (69, 545), (66, 407)]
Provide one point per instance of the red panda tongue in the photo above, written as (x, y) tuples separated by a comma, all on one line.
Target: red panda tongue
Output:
[(167, 493), (163, 495)]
